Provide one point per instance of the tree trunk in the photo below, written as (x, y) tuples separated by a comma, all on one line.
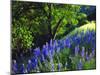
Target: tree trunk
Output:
[(49, 22)]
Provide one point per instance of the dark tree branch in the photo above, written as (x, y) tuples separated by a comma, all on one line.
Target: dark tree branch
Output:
[(57, 26)]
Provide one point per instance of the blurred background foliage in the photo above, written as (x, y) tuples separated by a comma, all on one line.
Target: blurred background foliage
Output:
[(34, 24)]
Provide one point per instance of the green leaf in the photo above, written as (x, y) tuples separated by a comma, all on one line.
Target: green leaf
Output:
[(74, 21)]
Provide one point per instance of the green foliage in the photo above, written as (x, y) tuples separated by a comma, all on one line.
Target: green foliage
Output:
[(22, 37), (90, 64), (89, 26)]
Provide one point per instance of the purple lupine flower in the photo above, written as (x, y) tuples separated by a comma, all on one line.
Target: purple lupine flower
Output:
[(93, 51), (42, 58), (51, 52), (29, 66), (37, 52), (34, 62), (83, 51), (45, 51), (89, 38), (78, 40), (64, 42), (60, 44), (47, 45), (80, 65), (51, 48), (87, 56), (76, 50), (67, 43), (92, 54), (55, 44), (59, 66), (58, 49), (15, 66), (22, 68)]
